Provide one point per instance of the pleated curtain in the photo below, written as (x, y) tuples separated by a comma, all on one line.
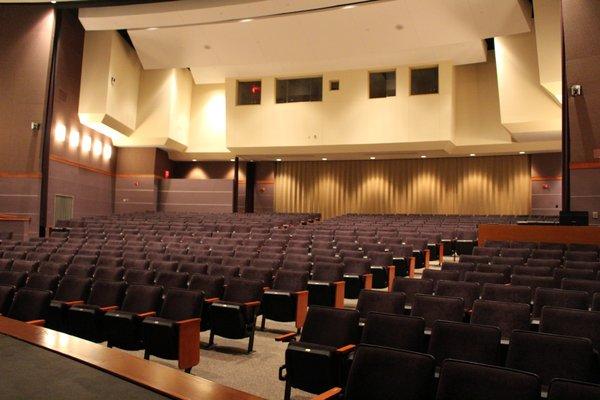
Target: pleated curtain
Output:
[(474, 185)]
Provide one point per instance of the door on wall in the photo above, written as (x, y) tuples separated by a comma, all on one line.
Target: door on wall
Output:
[(63, 208)]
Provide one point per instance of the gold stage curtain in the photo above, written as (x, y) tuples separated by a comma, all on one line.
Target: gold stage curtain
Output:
[(474, 185)]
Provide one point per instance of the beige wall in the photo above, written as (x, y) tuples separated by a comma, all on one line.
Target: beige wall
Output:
[(548, 43), (346, 117), (207, 120)]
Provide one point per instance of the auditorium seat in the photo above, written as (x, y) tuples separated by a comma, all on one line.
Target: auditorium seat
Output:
[(467, 258), (174, 334), (484, 277), (573, 273), (382, 268), (507, 316), (122, 327), (461, 380), (552, 246), (567, 389), (412, 286), (357, 276), (596, 302), (590, 287), (533, 282), (463, 341), (134, 276), (42, 282), (572, 322), (234, 317), (402, 332), (590, 256), (315, 362), (52, 268), (468, 291), (81, 271), (13, 278), (587, 265), (486, 251), (505, 270), (524, 245), (326, 287), (558, 298), (85, 320), (462, 268), (437, 275), (433, 308), (287, 300), (547, 254), (532, 271), (24, 266), (550, 356), (169, 279), (213, 288), (113, 274), (542, 262), (6, 296), (516, 261), (30, 305), (378, 301)]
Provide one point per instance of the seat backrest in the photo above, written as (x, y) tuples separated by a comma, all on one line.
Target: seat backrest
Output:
[(327, 272), (567, 389), (463, 341), (433, 308), (105, 293), (437, 275), (241, 290), (532, 271), (333, 327), (591, 256), (258, 274), (181, 304), (468, 291), (572, 322), (42, 282), (595, 266), (511, 293), (13, 278), (550, 356), (164, 265), (169, 279), (547, 254), (596, 302), (353, 265), (30, 304), (507, 316), (411, 286), (24, 266), (211, 285), (142, 298), (590, 287), (505, 260), (484, 277), (460, 380), (109, 274), (559, 298), (462, 268), (392, 330), (474, 259), (84, 260), (72, 288), (193, 268), (552, 246), (385, 302), (82, 271), (135, 276), (6, 296), (406, 372), (290, 280), (533, 282)]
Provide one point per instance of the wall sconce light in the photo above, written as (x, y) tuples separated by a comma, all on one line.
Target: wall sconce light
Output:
[(60, 133), (107, 151), (86, 144), (73, 138), (97, 148)]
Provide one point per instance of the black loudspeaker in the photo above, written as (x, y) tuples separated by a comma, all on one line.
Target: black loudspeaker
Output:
[(574, 218)]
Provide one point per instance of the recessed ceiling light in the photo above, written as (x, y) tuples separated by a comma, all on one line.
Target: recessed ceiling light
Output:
[(207, 47), (423, 156), (348, 7), (521, 152), (472, 154), (194, 160), (399, 27), (371, 158), (232, 159), (324, 158), (246, 20), (53, 1), (151, 29), (278, 159)]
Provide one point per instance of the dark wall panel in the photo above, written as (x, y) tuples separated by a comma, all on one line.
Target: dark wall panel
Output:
[(210, 195), (546, 188)]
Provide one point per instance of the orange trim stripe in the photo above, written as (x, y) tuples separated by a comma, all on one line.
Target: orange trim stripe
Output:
[(546, 178), (137, 176), (12, 217), (585, 165), (31, 175)]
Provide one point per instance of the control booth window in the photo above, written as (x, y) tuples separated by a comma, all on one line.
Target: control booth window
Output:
[(248, 93), (424, 81), (297, 90), (382, 84)]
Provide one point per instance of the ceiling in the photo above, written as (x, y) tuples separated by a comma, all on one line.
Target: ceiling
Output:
[(219, 39)]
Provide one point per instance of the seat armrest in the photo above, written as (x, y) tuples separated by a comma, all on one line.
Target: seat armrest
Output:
[(301, 293), (109, 308), (288, 337), (188, 321), (368, 279), (301, 307), (211, 300), (330, 394), (147, 314), (73, 303), (188, 334), (340, 291), (36, 322), (252, 304), (346, 349)]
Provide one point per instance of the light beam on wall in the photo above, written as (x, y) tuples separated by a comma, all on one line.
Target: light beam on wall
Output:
[(86, 144), (97, 148), (73, 138), (60, 133), (107, 152)]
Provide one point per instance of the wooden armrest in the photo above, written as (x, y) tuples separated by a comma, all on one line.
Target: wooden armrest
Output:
[(330, 394), (109, 308), (188, 321), (212, 300), (286, 338), (73, 303), (252, 303), (340, 291), (346, 349), (301, 292), (147, 314), (36, 322), (301, 307)]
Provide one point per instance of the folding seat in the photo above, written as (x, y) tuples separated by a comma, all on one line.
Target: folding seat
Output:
[(462, 341), (460, 380), (433, 308), (524, 245), (134, 255), (382, 269), (322, 252), (82, 271), (245, 255), (532, 271), (71, 290), (582, 247), (6, 296), (484, 277), (466, 240), (296, 250), (513, 261), (507, 316), (193, 268), (135, 276), (30, 306), (395, 331), (170, 279), (351, 253), (572, 322), (567, 389), (412, 286), (164, 265), (5, 264), (174, 334), (550, 356), (287, 300), (181, 257), (37, 256), (375, 247), (108, 274), (84, 260), (486, 251), (129, 263), (357, 276), (547, 254), (586, 265), (497, 243), (264, 263), (13, 278), (542, 262), (106, 261), (24, 266), (378, 301), (227, 272), (234, 317), (315, 362), (154, 256), (533, 282), (590, 256), (506, 293), (14, 255), (85, 320), (437, 275), (347, 246), (52, 268), (462, 268), (466, 258), (327, 287), (42, 282), (590, 287), (505, 270), (468, 291), (237, 261), (573, 273), (111, 252)]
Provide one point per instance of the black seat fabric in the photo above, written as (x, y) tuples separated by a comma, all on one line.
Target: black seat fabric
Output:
[(570, 322), (433, 308), (385, 302), (565, 389), (30, 305), (507, 316), (468, 291), (397, 331), (42, 282), (559, 298), (462, 380), (6, 296), (510, 293), (412, 286)]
